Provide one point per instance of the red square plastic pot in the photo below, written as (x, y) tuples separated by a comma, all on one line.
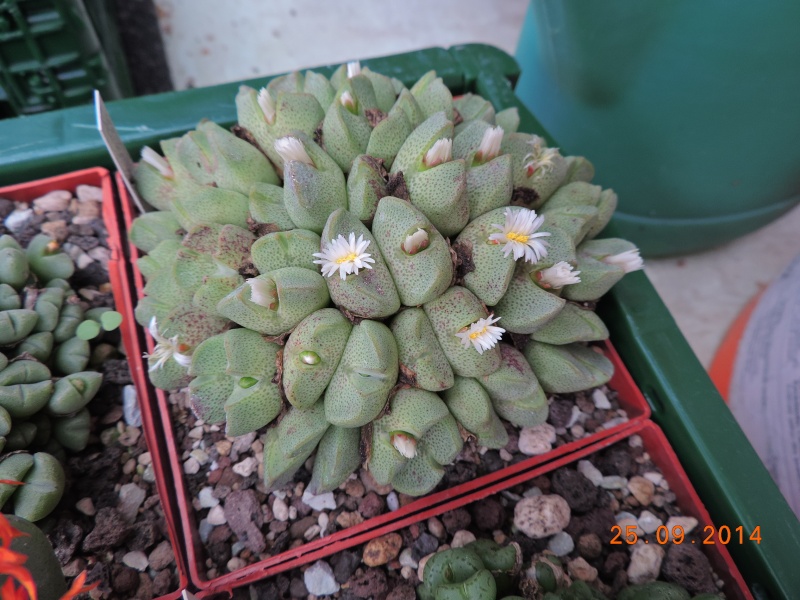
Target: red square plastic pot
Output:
[(122, 291), (630, 399), (661, 453)]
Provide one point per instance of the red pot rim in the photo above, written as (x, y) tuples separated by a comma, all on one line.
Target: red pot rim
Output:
[(631, 399), (121, 290)]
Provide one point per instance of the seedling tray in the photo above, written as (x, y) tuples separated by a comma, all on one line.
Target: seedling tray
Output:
[(120, 284)]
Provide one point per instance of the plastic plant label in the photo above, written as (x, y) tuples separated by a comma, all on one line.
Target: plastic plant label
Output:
[(119, 153)]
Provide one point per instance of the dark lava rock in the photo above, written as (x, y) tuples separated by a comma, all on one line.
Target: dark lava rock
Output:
[(615, 562), (220, 552), (65, 539), (488, 514), (124, 580), (560, 413), (298, 528), (116, 371), (371, 505), (598, 521), (344, 565), (616, 460), (144, 535), (577, 490), (402, 592), (163, 584), (6, 208), (243, 513), (372, 584), (267, 590), (145, 589), (297, 588), (110, 530), (425, 544), (281, 543), (457, 519), (84, 242), (689, 568), (590, 546), (93, 274)]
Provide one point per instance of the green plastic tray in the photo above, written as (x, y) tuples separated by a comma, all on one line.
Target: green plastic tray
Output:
[(727, 473)]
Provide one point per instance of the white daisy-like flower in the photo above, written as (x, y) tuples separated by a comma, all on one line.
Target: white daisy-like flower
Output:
[(348, 101), (482, 334), (166, 348), (344, 255), (417, 241), (158, 162), (440, 152), (353, 69), (267, 104), (519, 235), (263, 292), (290, 148), (540, 160), (559, 275), (628, 260), (489, 148), (404, 443)]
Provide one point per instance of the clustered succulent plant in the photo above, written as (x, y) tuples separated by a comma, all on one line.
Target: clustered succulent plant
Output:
[(347, 261), (480, 570), (44, 382)]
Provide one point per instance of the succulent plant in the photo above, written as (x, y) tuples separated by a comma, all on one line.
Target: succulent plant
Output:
[(45, 383), (480, 570), (372, 244)]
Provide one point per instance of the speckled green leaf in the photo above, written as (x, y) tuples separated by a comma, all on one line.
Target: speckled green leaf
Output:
[(311, 355), (471, 406), (366, 373), (568, 368), (421, 356), (16, 324), (419, 277), (73, 432), (294, 248), (365, 186), (573, 324), (515, 391), (525, 306), (44, 486), (337, 457), (440, 193)]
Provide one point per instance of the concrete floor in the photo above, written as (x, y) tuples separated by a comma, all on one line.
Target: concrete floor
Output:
[(248, 38)]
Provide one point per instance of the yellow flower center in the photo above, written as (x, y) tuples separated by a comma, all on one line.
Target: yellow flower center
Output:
[(349, 258), (517, 237), (472, 336)]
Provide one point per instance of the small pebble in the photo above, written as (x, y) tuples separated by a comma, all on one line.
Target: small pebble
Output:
[(505, 455), (541, 516), (561, 544), (204, 528), (131, 497), (319, 579), (422, 562), (246, 467), (145, 458), (320, 502), (600, 400), (654, 476), (574, 416), (191, 466), (614, 482), (223, 447), (537, 440), (216, 516), (577, 431), (323, 520), (149, 474), (642, 489), (688, 524), (580, 569), (312, 532), (407, 560), (207, 499), (461, 538), (645, 563), (54, 201), (196, 433), (635, 441), (130, 407), (349, 519), (200, 455), (86, 507), (436, 528), (392, 502), (89, 193), (19, 219), (649, 522), (136, 560), (380, 551), (407, 573), (236, 563), (589, 471)]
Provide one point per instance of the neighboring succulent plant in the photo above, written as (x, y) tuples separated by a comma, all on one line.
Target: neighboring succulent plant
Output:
[(547, 580), (44, 382), (480, 570), (377, 180)]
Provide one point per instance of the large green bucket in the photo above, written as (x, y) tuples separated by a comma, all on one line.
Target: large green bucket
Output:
[(689, 110)]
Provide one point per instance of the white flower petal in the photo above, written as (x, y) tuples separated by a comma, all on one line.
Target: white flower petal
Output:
[(482, 335), (267, 104), (559, 275), (489, 147), (345, 256), (353, 69), (520, 236), (440, 152), (292, 149), (628, 260), (158, 162)]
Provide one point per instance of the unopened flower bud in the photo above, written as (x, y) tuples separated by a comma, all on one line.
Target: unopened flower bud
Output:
[(440, 152)]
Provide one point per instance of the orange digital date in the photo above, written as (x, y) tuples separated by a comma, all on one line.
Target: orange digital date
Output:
[(677, 536)]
